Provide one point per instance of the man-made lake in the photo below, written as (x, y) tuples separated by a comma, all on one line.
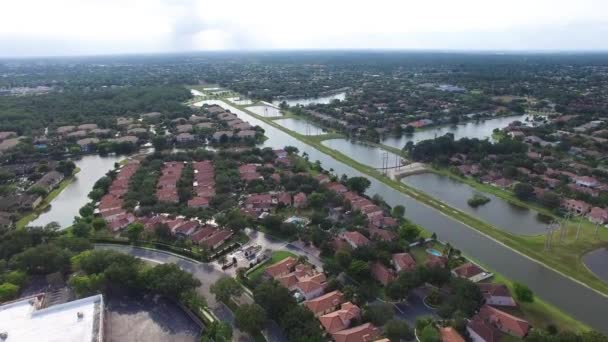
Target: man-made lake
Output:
[(301, 126), (265, 111), (581, 302), (597, 262), (366, 154), (305, 101), (67, 204), (504, 215), (473, 129)]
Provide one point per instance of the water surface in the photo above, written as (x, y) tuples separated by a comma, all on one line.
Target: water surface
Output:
[(301, 126), (305, 101), (597, 262), (498, 212), (68, 203)]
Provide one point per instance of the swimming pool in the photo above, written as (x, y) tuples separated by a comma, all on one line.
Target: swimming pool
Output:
[(433, 251)]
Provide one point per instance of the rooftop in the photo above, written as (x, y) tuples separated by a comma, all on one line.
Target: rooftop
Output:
[(75, 321)]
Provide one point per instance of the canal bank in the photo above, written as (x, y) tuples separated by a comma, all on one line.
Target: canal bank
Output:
[(582, 302), (74, 196)]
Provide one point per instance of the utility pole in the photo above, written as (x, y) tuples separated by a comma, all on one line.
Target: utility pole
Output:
[(578, 229)]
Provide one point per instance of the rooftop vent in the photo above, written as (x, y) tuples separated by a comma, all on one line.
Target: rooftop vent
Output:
[(80, 315), (3, 336)]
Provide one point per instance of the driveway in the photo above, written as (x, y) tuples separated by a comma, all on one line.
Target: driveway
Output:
[(414, 307), (275, 244)]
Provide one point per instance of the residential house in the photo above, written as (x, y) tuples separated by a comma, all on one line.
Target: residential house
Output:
[(449, 334), (341, 319), (362, 333), (86, 144), (300, 200), (355, 239), (496, 294), (184, 138), (504, 322), (598, 215), (577, 207), (403, 262), (471, 272), (49, 181), (381, 273), (326, 303)]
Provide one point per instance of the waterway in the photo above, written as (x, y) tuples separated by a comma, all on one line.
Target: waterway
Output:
[(597, 262), (265, 111), (364, 153), (512, 218), (472, 129), (570, 296), (68, 203), (305, 101), (301, 126)]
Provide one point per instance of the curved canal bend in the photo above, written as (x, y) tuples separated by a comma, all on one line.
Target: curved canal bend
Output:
[(568, 295)]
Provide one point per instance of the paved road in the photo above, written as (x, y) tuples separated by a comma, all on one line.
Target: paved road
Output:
[(414, 307), (206, 273)]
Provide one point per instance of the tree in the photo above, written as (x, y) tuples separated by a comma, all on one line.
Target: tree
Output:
[(160, 143), (98, 223), (42, 259), (225, 288), (86, 211), (429, 334), (169, 280), (163, 232), (358, 184), (317, 200), (274, 298), (378, 314), (398, 330), (523, 191), (134, 231), (81, 229), (343, 258), (300, 325), (37, 190), (550, 199), (66, 167), (250, 318), (217, 332), (86, 285), (523, 293), (398, 211), (8, 291)]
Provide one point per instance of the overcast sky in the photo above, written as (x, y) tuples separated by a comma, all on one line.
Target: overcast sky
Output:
[(77, 27)]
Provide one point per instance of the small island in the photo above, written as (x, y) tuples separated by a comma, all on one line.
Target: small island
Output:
[(478, 200)]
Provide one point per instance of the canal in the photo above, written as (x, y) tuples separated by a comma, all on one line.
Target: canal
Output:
[(314, 100), (474, 129), (570, 296), (68, 203), (504, 215)]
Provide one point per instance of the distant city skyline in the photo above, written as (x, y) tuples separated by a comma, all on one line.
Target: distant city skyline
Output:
[(95, 27)]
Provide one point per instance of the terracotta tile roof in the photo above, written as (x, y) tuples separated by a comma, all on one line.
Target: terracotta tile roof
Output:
[(282, 267), (356, 239), (503, 321), (404, 262), (467, 270), (363, 333), (340, 319), (449, 334), (325, 302), (493, 289), (382, 274)]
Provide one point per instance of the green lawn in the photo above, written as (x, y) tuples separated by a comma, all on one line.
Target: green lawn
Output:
[(274, 258)]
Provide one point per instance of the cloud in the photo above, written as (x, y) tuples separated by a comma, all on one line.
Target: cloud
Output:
[(66, 27)]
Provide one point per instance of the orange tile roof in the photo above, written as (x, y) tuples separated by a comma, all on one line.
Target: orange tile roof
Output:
[(325, 302), (449, 334)]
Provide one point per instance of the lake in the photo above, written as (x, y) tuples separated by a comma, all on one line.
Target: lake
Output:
[(301, 126), (68, 203), (305, 101), (581, 302), (473, 129), (504, 215), (597, 262)]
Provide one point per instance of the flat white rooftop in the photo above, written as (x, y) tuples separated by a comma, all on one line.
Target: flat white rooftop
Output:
[(77, 321)]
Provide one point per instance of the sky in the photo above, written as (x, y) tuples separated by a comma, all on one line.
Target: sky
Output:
[(93, 27)]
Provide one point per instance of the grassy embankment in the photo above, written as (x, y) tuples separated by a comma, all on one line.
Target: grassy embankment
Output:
[(25, 220), (562, 260), (276, 257)]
